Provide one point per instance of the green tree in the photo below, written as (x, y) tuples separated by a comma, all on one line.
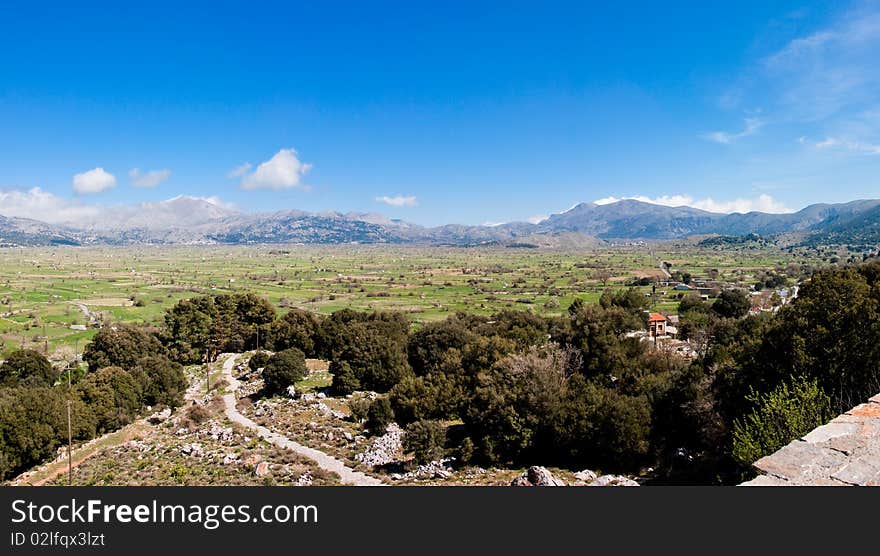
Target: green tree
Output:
[(379, 416), (162, 381), (120, 346), (731, 304), (425, 440), (258, 360), (297, 329), (27, 367), (113, 395), (33, 423), (284, 369)]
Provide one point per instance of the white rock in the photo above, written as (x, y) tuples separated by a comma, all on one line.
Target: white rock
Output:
[(614, 480), (586, 476)]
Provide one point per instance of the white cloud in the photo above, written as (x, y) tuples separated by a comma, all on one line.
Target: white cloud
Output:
[(761, 203), (47, 207), (148, 179), (238, 171), (399, 200), (95, 180), (836, 143), (537, 219), (829, 71), (752, 126), (282, 171)]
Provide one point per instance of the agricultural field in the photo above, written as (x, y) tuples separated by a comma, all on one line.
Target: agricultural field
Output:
[(53, 298)]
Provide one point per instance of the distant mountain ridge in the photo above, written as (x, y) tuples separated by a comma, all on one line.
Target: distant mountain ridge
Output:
[(192, 220)]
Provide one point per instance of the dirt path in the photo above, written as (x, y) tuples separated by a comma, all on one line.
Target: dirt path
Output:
[(47, 472), (348, 475)]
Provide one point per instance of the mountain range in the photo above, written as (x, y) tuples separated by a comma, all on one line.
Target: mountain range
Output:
[(191, 220)]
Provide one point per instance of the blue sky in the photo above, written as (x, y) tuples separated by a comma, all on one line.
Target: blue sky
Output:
[(467, 112)]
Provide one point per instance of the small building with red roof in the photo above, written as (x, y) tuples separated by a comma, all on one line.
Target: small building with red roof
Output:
[(656, 324)]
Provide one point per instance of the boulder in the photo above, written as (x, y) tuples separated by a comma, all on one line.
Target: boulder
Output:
[(291, 391), (614, 480), (160, 417), (586, 476), (262, 469), (537, 476)]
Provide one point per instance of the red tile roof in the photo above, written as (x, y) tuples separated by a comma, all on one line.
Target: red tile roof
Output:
[(656, 317)]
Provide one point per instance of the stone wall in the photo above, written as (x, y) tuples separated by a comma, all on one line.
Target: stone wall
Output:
[(845, 452)]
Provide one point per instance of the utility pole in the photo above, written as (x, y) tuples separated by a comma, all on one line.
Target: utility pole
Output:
[(207, 374), (69, 448)]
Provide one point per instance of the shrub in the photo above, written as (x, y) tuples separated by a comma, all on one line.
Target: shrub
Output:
[(344, 379), (359, 407), (195, 415), (379, 416), (284, 369), (258, 360), (786, 413), (466, 450), (425, 439)]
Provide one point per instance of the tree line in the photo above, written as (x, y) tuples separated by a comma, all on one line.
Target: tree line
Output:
[(515, 388)]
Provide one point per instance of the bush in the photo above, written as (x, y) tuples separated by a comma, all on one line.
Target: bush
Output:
[(379, 416), (359, 407), (425, 439), (258, 360), (786, 413), (195, 415), (284, 369), (344, 380)]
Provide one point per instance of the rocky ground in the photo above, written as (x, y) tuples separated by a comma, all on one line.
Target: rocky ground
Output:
[(198, 445), (181, 451), (195, 445), (312, 418)]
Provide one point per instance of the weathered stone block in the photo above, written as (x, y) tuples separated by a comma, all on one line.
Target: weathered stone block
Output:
[(829, 431), (802, 462), (869, 409), (766, 480), (859, 472)]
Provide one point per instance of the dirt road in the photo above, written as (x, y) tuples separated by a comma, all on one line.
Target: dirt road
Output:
[(348, 475)]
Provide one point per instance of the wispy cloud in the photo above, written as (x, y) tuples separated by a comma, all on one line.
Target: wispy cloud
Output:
[(238, 171), (761, 203), (95, 180), (283, 171), (399, 200), (839, 144), (148, 179), (752, 126), (829, 71)]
